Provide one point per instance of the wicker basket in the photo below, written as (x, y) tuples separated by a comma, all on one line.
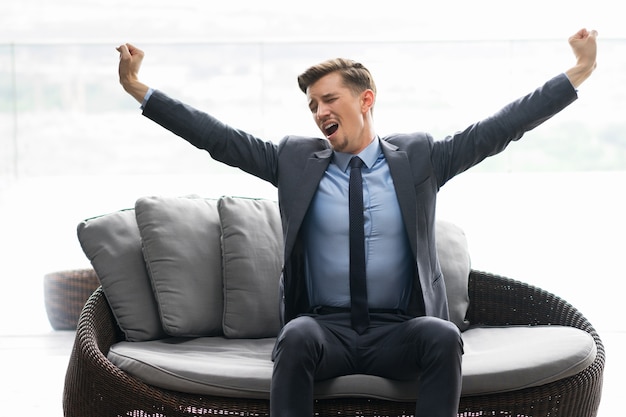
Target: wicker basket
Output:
[(65, 294)]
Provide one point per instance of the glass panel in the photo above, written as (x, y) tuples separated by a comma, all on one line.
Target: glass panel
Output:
[(64, 113)]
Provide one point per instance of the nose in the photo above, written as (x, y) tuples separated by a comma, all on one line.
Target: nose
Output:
[(322, 112)]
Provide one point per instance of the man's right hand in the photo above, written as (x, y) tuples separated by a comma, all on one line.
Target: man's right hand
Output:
[(130, 63), (583, 44)]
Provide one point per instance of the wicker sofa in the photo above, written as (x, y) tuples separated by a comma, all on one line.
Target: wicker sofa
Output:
[(96, 384)]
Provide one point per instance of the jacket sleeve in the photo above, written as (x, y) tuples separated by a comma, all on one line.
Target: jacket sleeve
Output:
[(225, 144), (463, 150)]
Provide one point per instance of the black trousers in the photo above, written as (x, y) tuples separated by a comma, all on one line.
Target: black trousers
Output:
[(317, 347)]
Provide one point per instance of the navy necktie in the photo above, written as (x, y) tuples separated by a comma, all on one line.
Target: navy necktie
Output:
[(358, 287)]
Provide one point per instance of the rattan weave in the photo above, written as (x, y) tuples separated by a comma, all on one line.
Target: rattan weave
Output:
[(95, 387)]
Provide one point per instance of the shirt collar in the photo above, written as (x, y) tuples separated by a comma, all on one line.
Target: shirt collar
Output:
[(369, 155)]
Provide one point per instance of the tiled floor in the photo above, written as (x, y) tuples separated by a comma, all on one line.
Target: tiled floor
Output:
[(33, 373), (34, 369)]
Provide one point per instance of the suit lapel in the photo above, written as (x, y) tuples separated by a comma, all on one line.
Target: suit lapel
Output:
[(401, 173), (311, 176)]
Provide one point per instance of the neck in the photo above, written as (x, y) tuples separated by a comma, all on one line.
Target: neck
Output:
[(365, 143)]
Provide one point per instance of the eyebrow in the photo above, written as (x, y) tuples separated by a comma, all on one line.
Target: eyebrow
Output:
[(324, 97), (328, 96)]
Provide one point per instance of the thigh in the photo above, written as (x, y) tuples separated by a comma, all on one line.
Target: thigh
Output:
[(399, 350), (325, 342)]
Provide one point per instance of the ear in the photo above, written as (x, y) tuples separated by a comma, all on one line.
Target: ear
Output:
[(367, 100)]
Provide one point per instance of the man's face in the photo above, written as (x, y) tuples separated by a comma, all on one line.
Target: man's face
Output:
[(339, 113)]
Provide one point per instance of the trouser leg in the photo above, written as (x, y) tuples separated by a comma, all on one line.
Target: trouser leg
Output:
[(425, 346), (305, 351), (311, 349), (441, 376)]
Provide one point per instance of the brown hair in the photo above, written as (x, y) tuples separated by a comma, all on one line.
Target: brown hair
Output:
[(354, 74)]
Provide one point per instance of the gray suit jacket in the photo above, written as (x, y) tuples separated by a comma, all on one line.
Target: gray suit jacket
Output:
[(419, 166)]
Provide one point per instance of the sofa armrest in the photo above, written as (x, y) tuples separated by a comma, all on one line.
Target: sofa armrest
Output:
[(95, 333), (500, 301)]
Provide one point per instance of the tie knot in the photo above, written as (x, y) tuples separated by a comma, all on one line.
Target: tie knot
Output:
[(356, 162)]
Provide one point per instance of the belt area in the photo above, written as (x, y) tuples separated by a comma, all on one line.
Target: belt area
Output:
[(323, 310)]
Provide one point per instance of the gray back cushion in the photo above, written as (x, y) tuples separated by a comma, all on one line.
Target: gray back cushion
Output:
[(212, 267), (181, 245), (252, 243), (112, 244), (455, 264)]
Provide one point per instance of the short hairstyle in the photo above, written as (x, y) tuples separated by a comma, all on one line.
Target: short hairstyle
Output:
[(354, 74)]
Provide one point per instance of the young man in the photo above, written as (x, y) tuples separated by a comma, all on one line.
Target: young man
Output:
[(404, 329)]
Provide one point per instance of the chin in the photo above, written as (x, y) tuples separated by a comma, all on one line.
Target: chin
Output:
[(337, 144), (337, 147)]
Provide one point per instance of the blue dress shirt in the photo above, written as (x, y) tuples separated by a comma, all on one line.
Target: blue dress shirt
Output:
[(389, 262)]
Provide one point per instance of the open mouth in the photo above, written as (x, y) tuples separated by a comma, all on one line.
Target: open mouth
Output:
[(331, 128)]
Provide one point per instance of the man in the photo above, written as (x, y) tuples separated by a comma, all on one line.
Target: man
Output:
[(397, 325)]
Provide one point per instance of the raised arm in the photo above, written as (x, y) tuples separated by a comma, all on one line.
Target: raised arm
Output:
[(130, 63), (583, 45)]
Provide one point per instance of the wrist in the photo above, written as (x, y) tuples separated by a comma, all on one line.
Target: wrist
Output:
[(579, 73), (135, 88)]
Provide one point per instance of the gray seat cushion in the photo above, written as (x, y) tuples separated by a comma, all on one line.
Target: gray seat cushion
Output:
[(497, 359)]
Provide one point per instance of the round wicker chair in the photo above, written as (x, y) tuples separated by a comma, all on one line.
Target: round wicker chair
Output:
[(95, 387), (65, 293)]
